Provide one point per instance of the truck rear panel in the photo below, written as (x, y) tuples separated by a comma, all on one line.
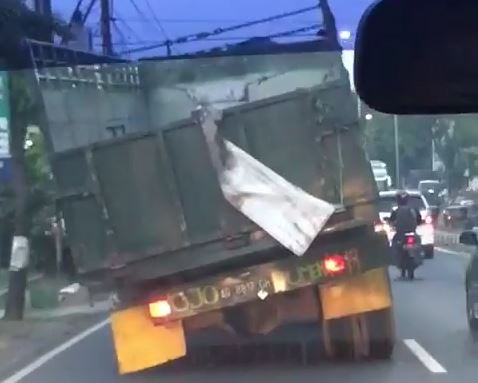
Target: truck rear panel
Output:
[(136, 184)]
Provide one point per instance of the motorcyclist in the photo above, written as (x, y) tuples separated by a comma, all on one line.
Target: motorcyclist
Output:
[(405, 219)]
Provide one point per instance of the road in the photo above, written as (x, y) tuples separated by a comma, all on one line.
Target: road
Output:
[(429, 314)]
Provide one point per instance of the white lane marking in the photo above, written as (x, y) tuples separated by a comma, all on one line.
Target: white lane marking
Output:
[(454, 252), (18, 376), (424, 357)]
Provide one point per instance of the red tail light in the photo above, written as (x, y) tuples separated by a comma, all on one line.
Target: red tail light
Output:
[(160, 308), (334, 264), (379, 228), (411, 240)]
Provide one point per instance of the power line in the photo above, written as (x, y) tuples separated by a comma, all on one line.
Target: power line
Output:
[(290, 33), (138, 9), (159, 24), (217, 31), (140, 12), (208, 21), (232, 38), (123, 41), (126, 25)]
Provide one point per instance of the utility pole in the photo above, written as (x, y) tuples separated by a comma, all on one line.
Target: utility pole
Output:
[(44, 7), (106, 27), (17, 281), (168, 48)]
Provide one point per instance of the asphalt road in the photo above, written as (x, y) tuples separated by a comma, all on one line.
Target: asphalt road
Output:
[(431, 323)]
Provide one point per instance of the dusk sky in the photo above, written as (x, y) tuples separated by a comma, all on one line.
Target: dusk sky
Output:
[(143, 22)]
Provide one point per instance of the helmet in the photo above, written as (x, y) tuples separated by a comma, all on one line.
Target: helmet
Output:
[(402, 198)]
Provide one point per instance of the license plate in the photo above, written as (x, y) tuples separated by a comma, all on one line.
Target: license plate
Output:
[(255, 283), (227, 293)]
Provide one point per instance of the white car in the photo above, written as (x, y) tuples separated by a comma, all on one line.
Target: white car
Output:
[(426, 231), (380, 175)]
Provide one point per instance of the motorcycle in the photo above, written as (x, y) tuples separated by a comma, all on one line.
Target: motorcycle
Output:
[(409, 254)]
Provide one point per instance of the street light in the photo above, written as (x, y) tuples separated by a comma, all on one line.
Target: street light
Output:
[(345, 35), (28, 144)]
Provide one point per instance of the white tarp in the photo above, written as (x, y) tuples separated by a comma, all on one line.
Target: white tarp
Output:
[(286, 212)]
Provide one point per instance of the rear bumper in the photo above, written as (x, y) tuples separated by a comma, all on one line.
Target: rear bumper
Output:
[(427, 235), (138, 340), (425, 232), (242, 285), (428, 249)]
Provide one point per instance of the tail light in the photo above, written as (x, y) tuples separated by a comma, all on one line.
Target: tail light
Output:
[(382, 227), (410, 240), (334, 264), (160, 309), (379, 227)]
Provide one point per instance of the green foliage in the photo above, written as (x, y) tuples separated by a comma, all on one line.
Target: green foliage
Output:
[(414, 141), (30, 144), (16, 19), (37, 160), (32, 188), (41, 204)]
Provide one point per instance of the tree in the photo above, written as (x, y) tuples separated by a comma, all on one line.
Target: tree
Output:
[(450, 134), (415, 141), (453, 134), (17, 23)]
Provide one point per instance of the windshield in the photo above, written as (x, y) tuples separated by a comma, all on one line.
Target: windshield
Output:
[(387, 204), (432, 198), (429, 184), (196, 182)]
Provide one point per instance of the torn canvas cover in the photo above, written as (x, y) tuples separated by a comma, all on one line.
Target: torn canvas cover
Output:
[(289, 214), (286, 212)]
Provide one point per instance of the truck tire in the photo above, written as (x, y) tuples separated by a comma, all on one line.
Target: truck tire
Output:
[(382, 337), (338, 339), (429, 251), (377, 340)]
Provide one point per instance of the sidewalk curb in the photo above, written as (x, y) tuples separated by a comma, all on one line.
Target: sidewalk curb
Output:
[(463, 254), (446, 238), (97, 308)]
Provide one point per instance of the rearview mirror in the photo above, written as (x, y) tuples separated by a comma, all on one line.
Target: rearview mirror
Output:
[(469, 238), (418, 57)]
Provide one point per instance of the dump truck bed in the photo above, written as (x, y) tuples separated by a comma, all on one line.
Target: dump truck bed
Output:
[(138, 191)]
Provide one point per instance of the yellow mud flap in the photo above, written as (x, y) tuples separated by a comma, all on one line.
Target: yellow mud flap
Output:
[(367, 292), (140, 345)]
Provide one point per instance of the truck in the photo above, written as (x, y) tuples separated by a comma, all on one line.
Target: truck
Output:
[(380, 174), (182, 184)]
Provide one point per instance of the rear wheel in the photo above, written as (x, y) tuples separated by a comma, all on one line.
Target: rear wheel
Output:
[(429, 252), (382, 339), (360, 336)]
